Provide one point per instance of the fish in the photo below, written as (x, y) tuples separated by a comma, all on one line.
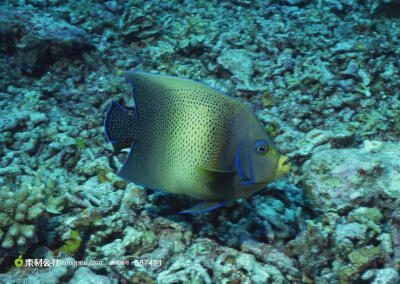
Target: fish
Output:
[(188, 138)]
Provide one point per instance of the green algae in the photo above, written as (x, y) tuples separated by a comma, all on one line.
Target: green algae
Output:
[(360, 259), (364, 256), (80, 144), (271, 128), (72, 244), (142, 277), (101, 174)]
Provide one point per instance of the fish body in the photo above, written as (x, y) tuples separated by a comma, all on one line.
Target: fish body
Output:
[(188, 138)]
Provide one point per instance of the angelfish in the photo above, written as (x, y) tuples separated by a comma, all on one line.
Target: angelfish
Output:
[(188, 138)]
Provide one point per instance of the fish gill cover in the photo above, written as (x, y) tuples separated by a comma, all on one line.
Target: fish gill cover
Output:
[(322, 77)]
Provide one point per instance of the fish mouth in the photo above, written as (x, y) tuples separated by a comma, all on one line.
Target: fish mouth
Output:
[(283, 166)]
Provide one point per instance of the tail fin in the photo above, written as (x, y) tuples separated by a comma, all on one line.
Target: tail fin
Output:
[(119, 125)]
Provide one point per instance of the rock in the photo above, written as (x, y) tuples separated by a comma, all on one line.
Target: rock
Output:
[(112, 6), (138, 242), (344, 46), (337, 179), (293, 2), (238, 62), (186, 271), (353, 231), (102, 194), (278, 220), (85, 276), (11, 122), (231, 267), (352, 70), (312, 247), (61, 141), (51, 275), (40, 39), (386, 276), (383, 6), (317, 139), (271, 255)]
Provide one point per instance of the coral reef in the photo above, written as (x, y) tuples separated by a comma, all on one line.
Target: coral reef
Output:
[(323, 78)]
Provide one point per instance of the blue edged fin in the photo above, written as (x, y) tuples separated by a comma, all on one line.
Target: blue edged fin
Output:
[(119, 124), (204, 207), (126, 170)]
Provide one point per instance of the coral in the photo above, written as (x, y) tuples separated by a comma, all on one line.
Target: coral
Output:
[(54, 205), (164, 53), (20, 211), (138, 22), (371, 217)]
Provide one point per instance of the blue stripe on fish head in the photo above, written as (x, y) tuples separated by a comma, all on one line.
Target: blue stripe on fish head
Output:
[(244, 166), (256, 157), (237, 164), (251, 180)]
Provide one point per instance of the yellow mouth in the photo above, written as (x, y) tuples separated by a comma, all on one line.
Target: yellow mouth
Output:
[(283, 167)]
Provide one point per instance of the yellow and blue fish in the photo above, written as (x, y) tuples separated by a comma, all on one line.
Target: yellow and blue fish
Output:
[(188, 138)]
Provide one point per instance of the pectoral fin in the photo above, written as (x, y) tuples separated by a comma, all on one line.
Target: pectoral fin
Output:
[(216, 175), (204, 207)]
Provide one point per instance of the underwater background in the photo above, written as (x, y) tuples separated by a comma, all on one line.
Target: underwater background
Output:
[(323, 78)]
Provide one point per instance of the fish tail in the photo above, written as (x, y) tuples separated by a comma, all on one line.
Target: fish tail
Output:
[(119, 125)]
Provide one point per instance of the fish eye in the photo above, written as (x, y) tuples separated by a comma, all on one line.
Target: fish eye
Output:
[(261, 147)]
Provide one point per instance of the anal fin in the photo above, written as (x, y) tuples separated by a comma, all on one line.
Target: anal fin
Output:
[(204, 207)]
